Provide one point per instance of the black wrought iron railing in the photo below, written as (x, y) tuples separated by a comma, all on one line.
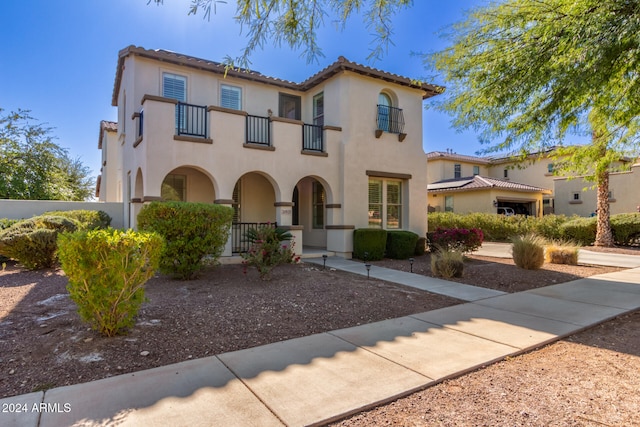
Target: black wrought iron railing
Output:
[(239, 241), (258, 130), (390, 119), (191, 120), (312, 138)]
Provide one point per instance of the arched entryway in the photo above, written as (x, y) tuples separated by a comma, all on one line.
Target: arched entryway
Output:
[(187, 184), (254, 199)]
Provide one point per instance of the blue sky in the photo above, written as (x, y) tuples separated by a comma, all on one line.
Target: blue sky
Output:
[(59, 57)]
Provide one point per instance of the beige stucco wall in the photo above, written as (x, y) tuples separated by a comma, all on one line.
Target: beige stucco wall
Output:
[(19, 209), (535, 174), (439, 169), (351, 148), (482, 200), (623, 186)]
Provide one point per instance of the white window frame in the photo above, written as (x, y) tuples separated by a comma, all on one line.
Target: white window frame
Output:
[(379, 210), (174, 76), (226, 102), (457, 170)]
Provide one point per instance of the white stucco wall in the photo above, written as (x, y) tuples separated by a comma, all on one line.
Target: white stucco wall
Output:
[(20, 209)]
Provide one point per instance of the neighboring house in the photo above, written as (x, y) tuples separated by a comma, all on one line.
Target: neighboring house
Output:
[(109, 184), (341, 150), (463, 184), (521, 185)]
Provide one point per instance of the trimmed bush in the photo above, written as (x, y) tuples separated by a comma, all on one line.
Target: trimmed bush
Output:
[(87, 219), (421, 246), (528, 251), (192, 231), (401, 244), (373, 241), (626, 228), (459, 239), (447, 263), (267, 250), (107, 270), (580, 230), (32, 242), (6, 223)]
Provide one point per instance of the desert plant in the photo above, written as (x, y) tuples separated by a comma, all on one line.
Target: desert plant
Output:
[(561, 252), (447, 263), (459, 239), (267, 250), (87, 219), (528, 251), (192, 231), (401, 244), (32, 242), (107, 270), (369, 243)]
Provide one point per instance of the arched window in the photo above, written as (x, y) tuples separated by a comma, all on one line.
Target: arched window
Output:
[(384, 112)]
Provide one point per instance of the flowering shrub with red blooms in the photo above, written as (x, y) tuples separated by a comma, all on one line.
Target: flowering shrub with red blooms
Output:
[(267, 250), (456, 239)]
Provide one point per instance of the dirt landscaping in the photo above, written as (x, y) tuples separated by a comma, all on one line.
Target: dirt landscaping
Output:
[(589, 379)]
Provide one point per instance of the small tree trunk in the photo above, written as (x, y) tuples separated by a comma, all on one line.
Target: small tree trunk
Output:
[(604, 237)]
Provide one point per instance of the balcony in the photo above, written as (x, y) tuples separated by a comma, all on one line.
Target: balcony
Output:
[(312, 138), (391, 120), (191, 120), (258, 130)]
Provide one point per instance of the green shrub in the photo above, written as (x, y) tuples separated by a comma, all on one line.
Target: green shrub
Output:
[(32, 242), (626, 228), (401, 244), (6, 223), (549, 226), (528, 251), (369, 241), (192, 231), (447, 263), (421, 246), (459, 239), (267, 250), (87, 219), (107, 270), (580, 230)]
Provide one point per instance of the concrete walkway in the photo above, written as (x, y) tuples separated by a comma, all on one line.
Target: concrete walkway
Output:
[(322, 377)]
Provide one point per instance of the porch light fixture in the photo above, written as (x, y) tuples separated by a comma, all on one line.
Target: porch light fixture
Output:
[(411, 260), (324, 261), (368, 268), (495, 203)]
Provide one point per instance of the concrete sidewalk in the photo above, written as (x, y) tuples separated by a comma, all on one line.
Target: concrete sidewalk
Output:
[(315, 379)]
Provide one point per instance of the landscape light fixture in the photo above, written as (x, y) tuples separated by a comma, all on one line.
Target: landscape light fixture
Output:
[(368, 268), (411, 260), (324, 261)]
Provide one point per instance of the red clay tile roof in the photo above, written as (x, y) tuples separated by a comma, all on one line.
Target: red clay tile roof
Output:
[(340, 65), (478, 182), (109, 127)]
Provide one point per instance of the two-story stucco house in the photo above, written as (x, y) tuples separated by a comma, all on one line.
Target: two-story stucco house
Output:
[(341, 150)]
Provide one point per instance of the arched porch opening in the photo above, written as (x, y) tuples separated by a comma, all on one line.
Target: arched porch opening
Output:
[(254, 198), (309, 198), (187, 184)]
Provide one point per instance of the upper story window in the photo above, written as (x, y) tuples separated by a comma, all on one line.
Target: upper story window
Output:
[(506, 173), (231, 97), (318, 109), (174, 87), (550, 168), (476, 170), (576, 196), (457, 170), (289, 106), (390, 118)]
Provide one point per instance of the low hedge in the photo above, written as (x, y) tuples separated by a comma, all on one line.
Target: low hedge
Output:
[(626, 228), (401, 244), (32, 242), (371, 241), (87, 219)]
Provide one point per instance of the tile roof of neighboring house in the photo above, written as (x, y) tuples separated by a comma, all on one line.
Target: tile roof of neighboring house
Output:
[(443, 155), (340, 65), (478, 182), (109, 127)]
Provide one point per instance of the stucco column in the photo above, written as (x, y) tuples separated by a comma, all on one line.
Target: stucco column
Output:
[(228, 247), (284, 218)]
